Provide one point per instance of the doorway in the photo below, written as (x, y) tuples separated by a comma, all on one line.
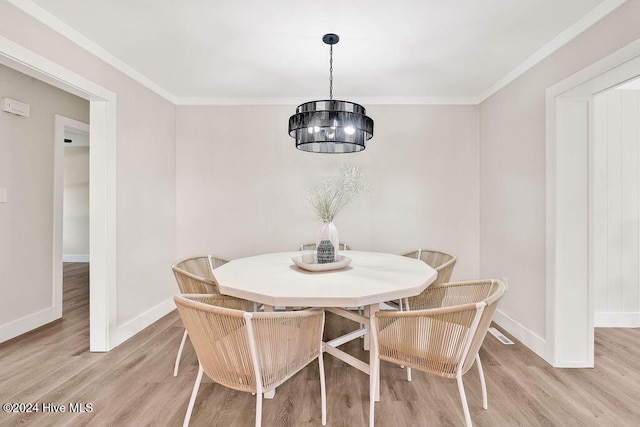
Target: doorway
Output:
[(571, 256), (616, 207), (102, 186), (71, 209), (75, 218)]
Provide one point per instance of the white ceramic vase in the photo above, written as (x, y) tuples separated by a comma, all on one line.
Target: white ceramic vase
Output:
[(328, 231)]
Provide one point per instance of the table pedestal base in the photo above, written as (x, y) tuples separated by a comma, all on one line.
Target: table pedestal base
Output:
[(331, 346)]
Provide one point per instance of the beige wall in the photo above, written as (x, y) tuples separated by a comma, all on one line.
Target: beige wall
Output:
[(145, 171), (75, 221), (512, 169), (26, 171), (241, 181)]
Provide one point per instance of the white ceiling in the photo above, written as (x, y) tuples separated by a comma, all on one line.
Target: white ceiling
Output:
[(272, 50)]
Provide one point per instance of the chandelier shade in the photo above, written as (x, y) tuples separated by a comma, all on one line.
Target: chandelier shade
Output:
[(330, 126)]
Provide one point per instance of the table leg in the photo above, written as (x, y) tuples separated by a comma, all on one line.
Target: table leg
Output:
[(367, 310), (373, 354)]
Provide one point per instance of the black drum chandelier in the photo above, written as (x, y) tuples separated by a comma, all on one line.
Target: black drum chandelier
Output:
[(330, 126)]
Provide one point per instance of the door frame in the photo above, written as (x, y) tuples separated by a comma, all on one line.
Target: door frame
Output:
[(102, 187), (569, 205)]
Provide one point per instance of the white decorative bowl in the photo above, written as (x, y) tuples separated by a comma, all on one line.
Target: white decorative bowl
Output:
[(342, 262)]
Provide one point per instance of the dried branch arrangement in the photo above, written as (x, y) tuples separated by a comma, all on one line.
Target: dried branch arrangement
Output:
[(337, 191)]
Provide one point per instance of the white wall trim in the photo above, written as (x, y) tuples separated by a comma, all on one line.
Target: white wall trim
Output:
[(599, 12), (137, 324), (32, 64), (573, 364), (62, 28), (617, 319), (75, 258), (526, 336), (102, 225), (25, 324), (102, 180)]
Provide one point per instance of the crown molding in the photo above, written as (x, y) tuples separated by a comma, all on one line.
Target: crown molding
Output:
[(297, 101), (60, 27), (599, 12)]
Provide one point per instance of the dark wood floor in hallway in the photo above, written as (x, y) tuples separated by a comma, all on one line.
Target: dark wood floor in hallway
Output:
[(133, 385)]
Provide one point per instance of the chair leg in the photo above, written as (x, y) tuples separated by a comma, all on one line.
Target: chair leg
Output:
[(177, 364), (373, 375), (258, 408), (406, 308), (323, 389), (463, 397), (194, 393), (483, 384), (401, 308)]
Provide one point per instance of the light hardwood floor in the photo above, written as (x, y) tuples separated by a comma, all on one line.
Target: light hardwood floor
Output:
[(133, 385)]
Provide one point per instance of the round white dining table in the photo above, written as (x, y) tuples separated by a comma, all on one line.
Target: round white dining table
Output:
[(370, 279)]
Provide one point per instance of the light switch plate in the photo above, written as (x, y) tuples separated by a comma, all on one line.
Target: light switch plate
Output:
[(3, 195)]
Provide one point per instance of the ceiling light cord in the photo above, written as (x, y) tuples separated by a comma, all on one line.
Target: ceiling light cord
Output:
[(330, 72)]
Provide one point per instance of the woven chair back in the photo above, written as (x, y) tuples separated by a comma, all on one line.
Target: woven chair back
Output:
[(195, 274), (431, 340), (440, 261), (440, 340), (219, 337), (283, 342), (495, 293)]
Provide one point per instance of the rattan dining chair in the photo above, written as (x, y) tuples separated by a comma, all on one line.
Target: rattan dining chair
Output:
[(442, 341), (440, 261), (251, 352), (195, 276)]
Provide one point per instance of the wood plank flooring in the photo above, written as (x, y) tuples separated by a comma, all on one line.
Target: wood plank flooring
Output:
[(133, 385)]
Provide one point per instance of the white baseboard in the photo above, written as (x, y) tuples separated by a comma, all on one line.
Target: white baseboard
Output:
[(527, 337), (75, 258), (611, 319), (573, 364), (135, 325), (28, 323)]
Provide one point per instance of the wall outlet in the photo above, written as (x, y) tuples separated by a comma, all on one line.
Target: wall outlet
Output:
[(506, 283)]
